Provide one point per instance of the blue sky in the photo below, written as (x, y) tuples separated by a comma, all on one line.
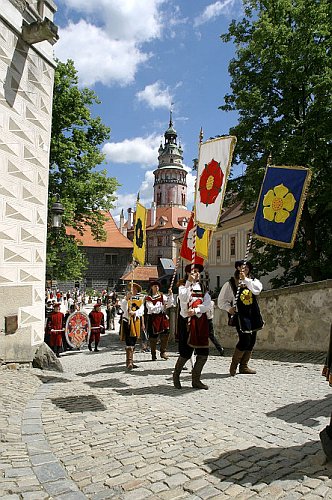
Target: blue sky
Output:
[(140, 56)]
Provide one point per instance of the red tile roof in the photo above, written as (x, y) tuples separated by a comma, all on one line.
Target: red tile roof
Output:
[(114, 238), (141, 273), (171, 216)]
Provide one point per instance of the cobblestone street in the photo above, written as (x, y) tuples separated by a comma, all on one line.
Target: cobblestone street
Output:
[(98, 432)]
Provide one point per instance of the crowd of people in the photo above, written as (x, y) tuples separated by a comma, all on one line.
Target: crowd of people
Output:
[(59, 306), (145, 319)]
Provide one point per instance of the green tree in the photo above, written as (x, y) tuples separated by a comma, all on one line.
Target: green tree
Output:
[(281, 80), (84, 191)]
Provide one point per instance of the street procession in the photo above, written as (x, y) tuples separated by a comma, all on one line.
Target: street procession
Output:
[(166, 327)]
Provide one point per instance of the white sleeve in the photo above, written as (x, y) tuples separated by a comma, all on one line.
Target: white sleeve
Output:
[(254, 285), (140, 312), (168, 300), (124, 305), (184, 292), (226, 297)]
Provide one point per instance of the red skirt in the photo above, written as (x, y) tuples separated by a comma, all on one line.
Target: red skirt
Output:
[(198, 331)]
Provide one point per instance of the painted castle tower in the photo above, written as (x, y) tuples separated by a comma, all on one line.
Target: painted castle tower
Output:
[(170, 186)]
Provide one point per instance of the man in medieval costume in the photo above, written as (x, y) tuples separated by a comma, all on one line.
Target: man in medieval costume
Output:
[(133, 309), (193, 326), (97, 322), (55, 329), (245, 313), (157, 320)]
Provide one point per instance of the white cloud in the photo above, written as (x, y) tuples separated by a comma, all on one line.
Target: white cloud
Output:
[(214, 10), (125, 201), (146, 188), (137, 150), (191, 178), (156, 95), (134, 20), (97, 57), (108, 47)]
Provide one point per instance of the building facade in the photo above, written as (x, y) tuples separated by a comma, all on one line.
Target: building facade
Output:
[(107, 260), (27, 34)]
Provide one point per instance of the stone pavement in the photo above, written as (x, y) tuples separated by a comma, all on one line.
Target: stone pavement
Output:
[(98, 432)]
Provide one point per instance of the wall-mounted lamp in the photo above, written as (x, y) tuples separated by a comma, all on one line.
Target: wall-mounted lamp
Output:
[(57, 211)]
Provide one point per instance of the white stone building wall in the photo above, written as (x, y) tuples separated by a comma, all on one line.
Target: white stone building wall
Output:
[(26, 84)]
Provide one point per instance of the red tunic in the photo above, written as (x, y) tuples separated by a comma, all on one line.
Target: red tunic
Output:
[(55, 328), (97, 325), (199, 327), (157, 323)]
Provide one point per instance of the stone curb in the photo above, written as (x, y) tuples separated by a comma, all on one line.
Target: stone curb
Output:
[(45, 465)]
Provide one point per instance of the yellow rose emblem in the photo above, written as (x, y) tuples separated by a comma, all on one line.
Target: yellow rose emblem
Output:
[(246, 297), (278, 203)]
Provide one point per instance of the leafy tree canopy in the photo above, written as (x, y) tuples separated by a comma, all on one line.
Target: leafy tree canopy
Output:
[(84, 191), (281, 80)]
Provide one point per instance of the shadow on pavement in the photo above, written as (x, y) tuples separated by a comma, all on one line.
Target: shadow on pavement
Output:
[(257, 465), (50, 379), (79, 404), (311, 408), (122, 369), (161, 390), (112, 382)]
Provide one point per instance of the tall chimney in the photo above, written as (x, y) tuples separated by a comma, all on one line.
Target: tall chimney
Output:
[(121, 221), (153, 213), (130, 218)]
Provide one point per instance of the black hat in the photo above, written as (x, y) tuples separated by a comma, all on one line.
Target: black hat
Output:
[(239, 263), (155, 282), (197, 266)]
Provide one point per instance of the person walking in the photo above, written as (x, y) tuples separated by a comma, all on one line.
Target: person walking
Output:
[(97, 326), (245, 313), (55, 327), (157, 320), (193, 326), (133, 309)]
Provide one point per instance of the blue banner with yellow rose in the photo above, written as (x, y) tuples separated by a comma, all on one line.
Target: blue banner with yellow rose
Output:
[(280, 204)]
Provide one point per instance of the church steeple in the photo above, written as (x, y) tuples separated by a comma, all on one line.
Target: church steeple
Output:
[(170, 187)]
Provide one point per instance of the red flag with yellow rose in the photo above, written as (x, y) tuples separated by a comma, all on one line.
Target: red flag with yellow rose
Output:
[(214, 163), (280, 204)]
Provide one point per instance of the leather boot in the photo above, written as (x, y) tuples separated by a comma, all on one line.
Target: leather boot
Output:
[(132, 357), (244, 368), (96, 346), (326, 442), (177, 370), (163, 345), (129, 358), (196, 373), (153, 346), (237, 356)]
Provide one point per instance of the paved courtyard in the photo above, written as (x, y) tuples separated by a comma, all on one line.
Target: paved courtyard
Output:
[(99, 432)]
